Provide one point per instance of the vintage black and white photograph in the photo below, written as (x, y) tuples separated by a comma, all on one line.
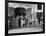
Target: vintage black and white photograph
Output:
[(25, 18)]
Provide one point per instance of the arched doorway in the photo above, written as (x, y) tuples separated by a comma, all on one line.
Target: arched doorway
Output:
[(20, 12)]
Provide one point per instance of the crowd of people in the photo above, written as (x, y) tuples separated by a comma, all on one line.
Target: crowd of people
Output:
[(19, 19)]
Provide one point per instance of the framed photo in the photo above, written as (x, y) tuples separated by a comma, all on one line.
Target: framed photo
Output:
[(22, 17)]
